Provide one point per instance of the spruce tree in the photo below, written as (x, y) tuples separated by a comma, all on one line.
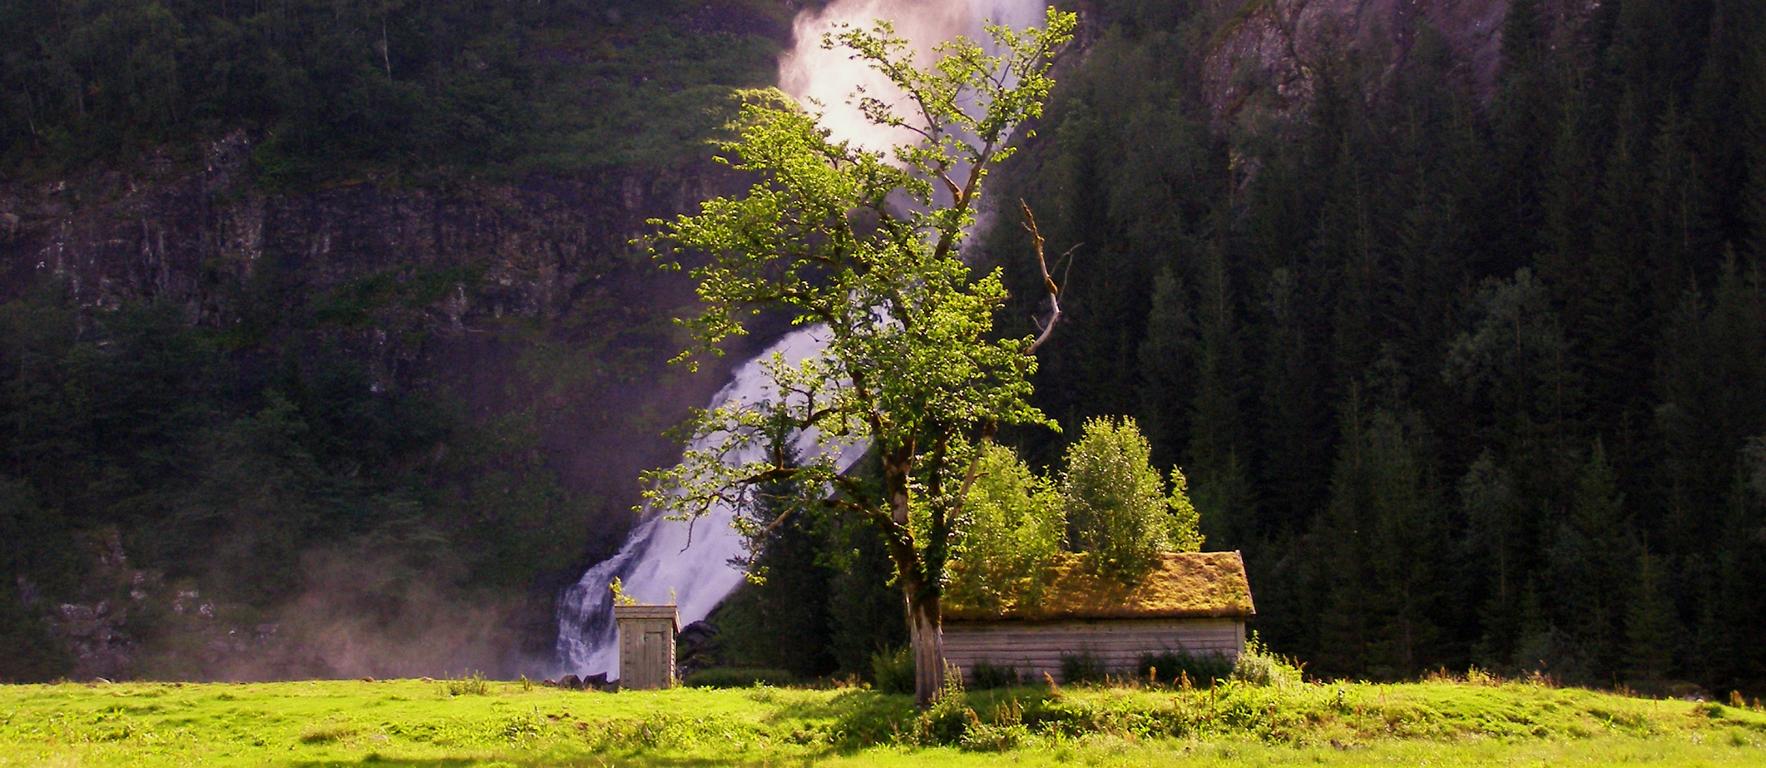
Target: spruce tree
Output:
[(1651, 631), (1168, 368), (1589, 565), (1383, 540), (1215, 465), (1525, 116)]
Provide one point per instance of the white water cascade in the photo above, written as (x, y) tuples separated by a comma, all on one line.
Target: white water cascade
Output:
[(656, 559)]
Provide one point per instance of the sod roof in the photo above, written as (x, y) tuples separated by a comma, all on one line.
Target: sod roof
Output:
[(1184, 585)]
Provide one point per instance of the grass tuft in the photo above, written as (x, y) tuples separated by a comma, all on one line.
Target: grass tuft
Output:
[(472, 684)]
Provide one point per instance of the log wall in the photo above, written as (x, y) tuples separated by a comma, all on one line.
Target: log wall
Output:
[(1036, 648)]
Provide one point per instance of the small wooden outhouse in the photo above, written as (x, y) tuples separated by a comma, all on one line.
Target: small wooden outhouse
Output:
[(1194, 603), (646, 645)]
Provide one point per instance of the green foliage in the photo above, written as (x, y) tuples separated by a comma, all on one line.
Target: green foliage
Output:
[(1651, 629), (1386, 595), (984, 675), (1083, 667), (738, 677), (864, 611), (239, 472), (423, 89), (1013, 531), (1117, 507), (892, 671), (950, 719), (1183, 668), (1328, 311), (911, 362), (1258, 665)]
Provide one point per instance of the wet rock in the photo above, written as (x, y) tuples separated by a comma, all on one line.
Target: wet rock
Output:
[(696, 647)]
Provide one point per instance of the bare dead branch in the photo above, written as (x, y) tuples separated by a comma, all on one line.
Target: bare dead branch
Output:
[(1047, 329)]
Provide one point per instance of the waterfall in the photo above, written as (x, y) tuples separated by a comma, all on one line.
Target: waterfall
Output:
[(656, 559)]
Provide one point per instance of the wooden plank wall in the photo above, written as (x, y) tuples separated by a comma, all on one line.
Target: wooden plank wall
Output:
[(1034, 649), (646, 652)]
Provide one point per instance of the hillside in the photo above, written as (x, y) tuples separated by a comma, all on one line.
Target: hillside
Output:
[(1458, 333), (287, 289)]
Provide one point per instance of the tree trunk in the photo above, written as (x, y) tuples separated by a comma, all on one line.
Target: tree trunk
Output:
[(926, 632)]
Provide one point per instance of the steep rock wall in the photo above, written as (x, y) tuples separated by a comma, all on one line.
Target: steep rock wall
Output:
[(1265, 56), (503, 296)]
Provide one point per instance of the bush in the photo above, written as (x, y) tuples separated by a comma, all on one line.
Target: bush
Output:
[(893, 671), (950, 719), (984, 675), (738, 677), (1258, 665), (1014, 530), (1117, 508), (1082, 668), (1174, 667)]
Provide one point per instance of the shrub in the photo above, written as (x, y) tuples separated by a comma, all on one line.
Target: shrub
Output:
[(1258, 665), (1014, 527), (950, 719), (1172, 667), (1082, 668), (1117, 508), (893, 671), (1003, 731), (738, 677), (984, 675)]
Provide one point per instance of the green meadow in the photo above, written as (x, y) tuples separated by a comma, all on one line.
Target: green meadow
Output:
[(461, 723)]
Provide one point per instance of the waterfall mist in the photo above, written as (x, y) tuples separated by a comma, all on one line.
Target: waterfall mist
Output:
[(819, 76)]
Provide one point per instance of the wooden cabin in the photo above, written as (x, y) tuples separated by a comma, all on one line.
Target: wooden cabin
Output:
[(1194, 603)]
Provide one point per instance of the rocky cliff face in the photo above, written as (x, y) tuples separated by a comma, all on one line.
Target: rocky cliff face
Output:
[(504, 296), (1265, 57)]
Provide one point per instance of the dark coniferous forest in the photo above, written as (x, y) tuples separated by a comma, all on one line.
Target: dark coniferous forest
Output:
[(1473, 375), (1472, 369)]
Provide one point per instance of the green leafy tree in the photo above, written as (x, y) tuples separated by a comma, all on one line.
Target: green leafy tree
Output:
[(1118, 511), (1014, 530), (911, 362)]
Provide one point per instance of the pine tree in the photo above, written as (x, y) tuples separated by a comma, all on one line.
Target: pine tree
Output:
[(1651, 632), (1589, 566), (1294, 429), (1383, 539), (1222, 494), (1495, 531), (1609, 310), (1168, 368), (1525, 116), (1680, 242), (793, 579), (1713, 398)]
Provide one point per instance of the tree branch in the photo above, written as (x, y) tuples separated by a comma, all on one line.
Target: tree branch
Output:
[(1048, 280)]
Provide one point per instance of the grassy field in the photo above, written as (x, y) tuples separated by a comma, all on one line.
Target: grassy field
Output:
[(459, 723)]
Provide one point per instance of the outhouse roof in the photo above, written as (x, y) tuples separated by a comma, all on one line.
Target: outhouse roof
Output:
[(1184, 585)]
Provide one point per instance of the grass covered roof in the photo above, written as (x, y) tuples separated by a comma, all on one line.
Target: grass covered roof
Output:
[(1184, 585)]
